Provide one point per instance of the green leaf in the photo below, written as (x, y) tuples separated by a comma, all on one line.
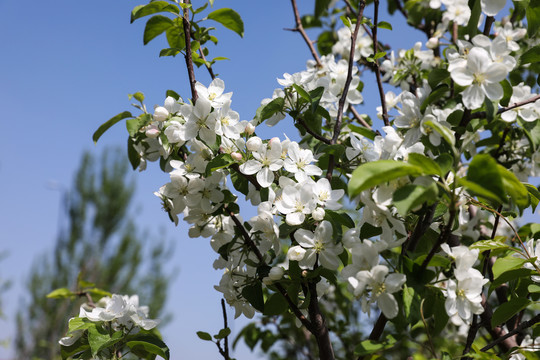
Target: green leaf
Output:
[(411, 196), (169, 52), (219, 162), (109, 123), (153, 8), (514, 188), (429, 166), (508, 309), (384, 25), (272, 107), (533, 288), (97, 337), (367, 347), (533, 17), (485, 245), (303, 93), (484, 173), (445, 132), (139, 96), (316, 95), (133, 154), (275, 305), (78, 323), (223, 333), (155, 26), (204, 336), (436, 76), (375, 173), (321, 6), (254, 295), (175, 36), (507, 263), (370, 134), (149, 343), (325, 41), (472, 26), (534, 195), (228, 18), (62, 293), (507, 92)]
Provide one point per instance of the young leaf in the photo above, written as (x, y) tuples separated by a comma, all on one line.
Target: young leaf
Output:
[(153, 8), (429, 166), (507, 263), (204, 336), (223, 333), (61, 293), (275, 305), (384, 25), (411, 196), (254, 295), (104, 127), (228, 18), (483, 171), (155, 26)]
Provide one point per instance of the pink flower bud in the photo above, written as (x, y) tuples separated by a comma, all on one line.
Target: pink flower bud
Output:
[(236, 156)]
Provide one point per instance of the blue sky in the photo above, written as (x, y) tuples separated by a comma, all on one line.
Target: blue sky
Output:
[(66, 67)]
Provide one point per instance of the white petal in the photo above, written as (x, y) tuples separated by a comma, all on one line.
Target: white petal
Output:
[(462, 76), (388, 305), (492, 7), (493, 91), (250, 167), (265, 177), (305, 238)]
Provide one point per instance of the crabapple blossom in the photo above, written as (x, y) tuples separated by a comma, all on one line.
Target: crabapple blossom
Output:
[(318, 245)]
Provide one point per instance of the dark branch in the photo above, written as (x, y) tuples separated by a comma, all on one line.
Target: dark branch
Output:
[(301, 30), (189, 60)]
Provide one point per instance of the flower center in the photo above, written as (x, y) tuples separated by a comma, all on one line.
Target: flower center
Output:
[(319, 246), (379, 289)]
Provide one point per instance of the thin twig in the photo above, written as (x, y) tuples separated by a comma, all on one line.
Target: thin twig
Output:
[(377, 68), (301, 30), (209, 68), (359, 118), (443, 237), (519, 328), (225, 326), (341, 104), (483, 114), (189, 60), (313, 133)]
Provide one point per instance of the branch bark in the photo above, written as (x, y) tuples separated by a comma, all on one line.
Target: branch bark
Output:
[(189, 60)]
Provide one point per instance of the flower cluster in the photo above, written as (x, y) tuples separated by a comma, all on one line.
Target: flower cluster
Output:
[(118, 312)]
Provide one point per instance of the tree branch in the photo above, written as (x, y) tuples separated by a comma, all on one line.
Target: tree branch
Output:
[(483, 115), (519, 328), (189, 60), (301, 30), (225, 326), (359, 118), (281, 289), (341, 103), (313, 133), (377, 68)]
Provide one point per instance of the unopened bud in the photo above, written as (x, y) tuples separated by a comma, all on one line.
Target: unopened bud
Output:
[(276, 273), (254, 143), (152, 132), (273, 141), (160, 113), (236, 156), (250, 129), (318, 214), (432, 43), (304, 273)]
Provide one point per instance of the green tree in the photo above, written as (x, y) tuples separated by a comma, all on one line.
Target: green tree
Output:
[(99, 243)]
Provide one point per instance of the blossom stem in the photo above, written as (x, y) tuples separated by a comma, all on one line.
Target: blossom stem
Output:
[(189, 59), (225, 351), (301, 30)]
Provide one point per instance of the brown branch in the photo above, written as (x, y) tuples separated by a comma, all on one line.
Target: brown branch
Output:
[(443, 238), (252, 179), (482, 114), (377, 330), (301, 30), (524, 325), (189, 60), (326, 352), (281, 289), (487, 27), (313, 133), (359, 118), (377, 68), (341, 103), (209, 68), (225, 352)]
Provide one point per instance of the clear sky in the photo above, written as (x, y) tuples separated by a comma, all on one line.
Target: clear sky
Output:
[(66, 67)]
